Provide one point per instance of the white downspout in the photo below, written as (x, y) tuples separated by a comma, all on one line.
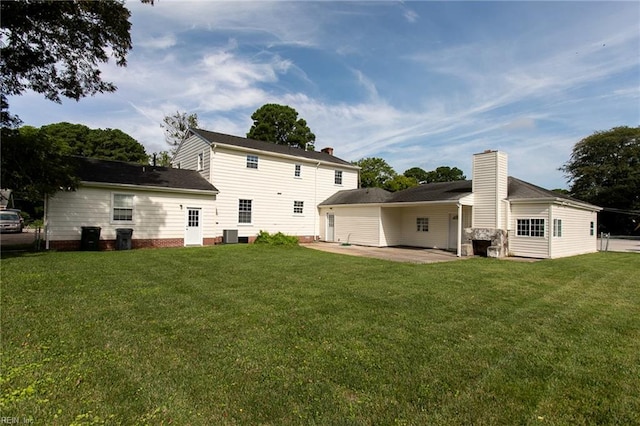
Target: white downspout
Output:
[(316, 214), (459, 243), (549, 230), (507, 225), (46, 223)]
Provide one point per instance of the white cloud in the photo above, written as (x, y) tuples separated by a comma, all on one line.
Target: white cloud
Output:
[(161, 42)]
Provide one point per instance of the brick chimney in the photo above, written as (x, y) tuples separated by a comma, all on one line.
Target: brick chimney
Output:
[(327, 150)]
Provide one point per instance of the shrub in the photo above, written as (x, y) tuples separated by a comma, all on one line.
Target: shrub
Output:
[(278, 239)]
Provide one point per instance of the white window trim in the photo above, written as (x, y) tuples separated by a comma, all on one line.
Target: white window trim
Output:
[(256, 162), (557, 228), (301, 207), (420, 227), (200, 161), (250, 211), (112, 207), (528, 234), (297, 171), (335, 177)]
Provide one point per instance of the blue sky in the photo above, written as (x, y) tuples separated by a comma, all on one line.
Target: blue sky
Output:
[(417, 83)]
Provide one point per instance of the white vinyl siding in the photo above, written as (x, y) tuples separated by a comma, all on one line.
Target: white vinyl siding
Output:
[(490, 184), (273, 191), (527, 245), (391, 226), (438, 235), (156, 215), (188, 154), (576, 238), (355, 225)]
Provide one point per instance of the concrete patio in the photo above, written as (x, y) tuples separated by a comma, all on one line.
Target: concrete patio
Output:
[(395, 254)]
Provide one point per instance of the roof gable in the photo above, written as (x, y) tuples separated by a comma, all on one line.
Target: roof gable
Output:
[(119, 172), (221, 138)]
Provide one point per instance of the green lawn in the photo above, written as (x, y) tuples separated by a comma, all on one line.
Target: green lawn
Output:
[(286, 336)]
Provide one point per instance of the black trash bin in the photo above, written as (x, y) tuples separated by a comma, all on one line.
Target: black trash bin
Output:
[(90, 238), (123, 238)]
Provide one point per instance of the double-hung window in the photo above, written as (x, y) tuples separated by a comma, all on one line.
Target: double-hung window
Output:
[(200, 161), (298, 207), (122, 208), (530, 227), (592, 229), (338, 177), (422, 224), (244, 211), (252, 161), (557, 227), (298, 170)]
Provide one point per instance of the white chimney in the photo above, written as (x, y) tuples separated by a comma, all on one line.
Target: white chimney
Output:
[(490, 188)]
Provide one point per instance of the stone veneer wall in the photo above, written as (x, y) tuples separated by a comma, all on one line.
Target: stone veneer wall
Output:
[(499, 242)]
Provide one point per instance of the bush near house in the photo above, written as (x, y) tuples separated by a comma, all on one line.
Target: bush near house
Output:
[(278, 239), (251, 334)]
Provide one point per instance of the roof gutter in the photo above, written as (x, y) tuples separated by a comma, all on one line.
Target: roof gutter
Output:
[(148, 188), (398, 204), (556, 200)]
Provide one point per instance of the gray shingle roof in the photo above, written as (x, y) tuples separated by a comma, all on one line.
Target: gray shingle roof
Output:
[(358, 196), (442, 191), (221, 138), (118, 172)]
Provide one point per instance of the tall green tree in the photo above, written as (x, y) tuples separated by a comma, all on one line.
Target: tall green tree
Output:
[(33, 164), (375, 172), (280, 124), (176, 128), (604, 169), (400, 182), (108, 144), (445, 174), (417, 173), (56, 47)]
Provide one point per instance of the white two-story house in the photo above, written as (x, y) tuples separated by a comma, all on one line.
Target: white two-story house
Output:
[(263, 186)]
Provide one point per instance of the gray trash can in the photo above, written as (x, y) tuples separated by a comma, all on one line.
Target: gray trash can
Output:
[(123, 238), (90, 238)]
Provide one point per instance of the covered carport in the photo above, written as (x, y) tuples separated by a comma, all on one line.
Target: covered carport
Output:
[(426, 216)]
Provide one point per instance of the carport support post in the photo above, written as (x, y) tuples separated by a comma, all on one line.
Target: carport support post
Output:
[(459, 245)]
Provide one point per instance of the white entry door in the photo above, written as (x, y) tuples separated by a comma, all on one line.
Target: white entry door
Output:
[(193, 232), (453, 231), (331, 227)]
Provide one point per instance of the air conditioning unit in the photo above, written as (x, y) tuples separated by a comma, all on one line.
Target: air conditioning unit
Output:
[(230, 236)]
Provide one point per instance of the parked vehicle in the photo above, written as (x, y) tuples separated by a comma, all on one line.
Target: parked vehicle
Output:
[(10, 221)]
